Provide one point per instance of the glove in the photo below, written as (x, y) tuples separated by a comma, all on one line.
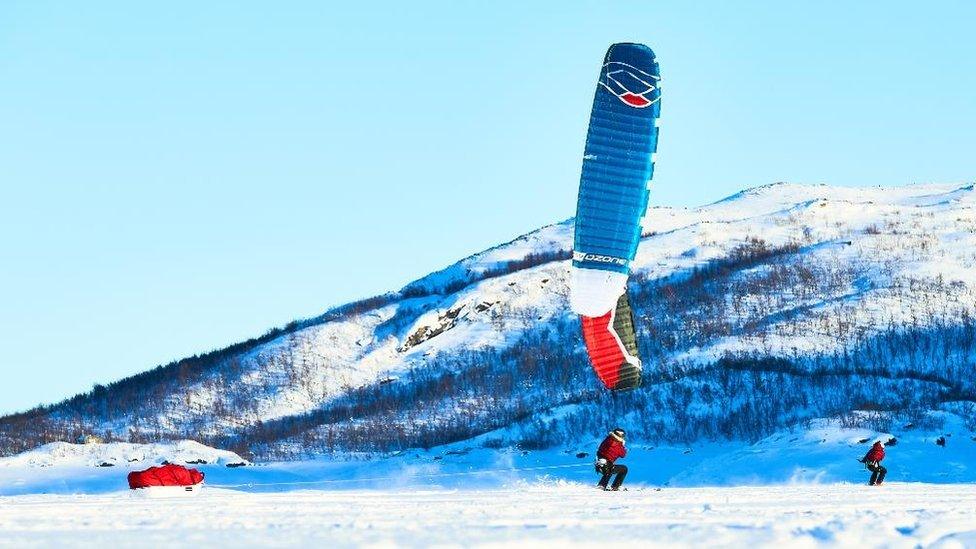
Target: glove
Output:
[(601, 465)]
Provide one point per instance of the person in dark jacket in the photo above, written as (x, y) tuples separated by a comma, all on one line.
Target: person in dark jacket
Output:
[(611, 449), (872, 460)]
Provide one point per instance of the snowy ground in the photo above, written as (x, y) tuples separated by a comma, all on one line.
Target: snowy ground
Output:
[(821, 453), (799, 488), (555, 515)]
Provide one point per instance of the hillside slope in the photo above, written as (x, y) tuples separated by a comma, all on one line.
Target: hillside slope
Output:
[(775, 306)]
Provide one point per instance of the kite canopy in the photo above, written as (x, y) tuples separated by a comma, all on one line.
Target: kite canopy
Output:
[(613, 195)]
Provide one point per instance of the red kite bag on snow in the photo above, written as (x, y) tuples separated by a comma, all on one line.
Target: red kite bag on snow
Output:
[(165, 475)]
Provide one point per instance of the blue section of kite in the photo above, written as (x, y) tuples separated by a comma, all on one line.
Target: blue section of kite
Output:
[(617, 162)]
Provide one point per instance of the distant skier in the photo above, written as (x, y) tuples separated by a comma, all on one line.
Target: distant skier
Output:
[(872, 460), (611, 449)]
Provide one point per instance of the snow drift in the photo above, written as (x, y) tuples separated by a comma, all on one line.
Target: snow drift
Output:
[(63, 454)]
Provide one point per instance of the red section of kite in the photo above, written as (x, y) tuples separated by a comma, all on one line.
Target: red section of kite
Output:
[(607, 353), (634, 100)]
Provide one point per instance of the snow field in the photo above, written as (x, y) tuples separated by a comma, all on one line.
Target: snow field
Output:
[(549, 515)]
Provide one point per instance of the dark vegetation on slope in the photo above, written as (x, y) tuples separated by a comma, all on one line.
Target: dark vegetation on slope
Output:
[(744, 397)]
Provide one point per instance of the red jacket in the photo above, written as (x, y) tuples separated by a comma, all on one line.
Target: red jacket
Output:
[(876, 453), (611, 449)]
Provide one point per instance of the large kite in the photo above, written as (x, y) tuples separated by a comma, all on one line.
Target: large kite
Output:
[(617, 167)]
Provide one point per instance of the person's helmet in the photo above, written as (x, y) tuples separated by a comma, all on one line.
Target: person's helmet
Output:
[(618, 433)]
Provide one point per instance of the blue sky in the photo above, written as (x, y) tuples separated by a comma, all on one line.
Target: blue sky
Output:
[(180, 176)]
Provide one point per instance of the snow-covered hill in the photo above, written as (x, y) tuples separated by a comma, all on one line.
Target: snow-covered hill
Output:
[(63, 454), (774, 307)]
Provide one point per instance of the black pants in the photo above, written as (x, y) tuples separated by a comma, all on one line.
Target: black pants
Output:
[(609, 471), (878, 472)]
